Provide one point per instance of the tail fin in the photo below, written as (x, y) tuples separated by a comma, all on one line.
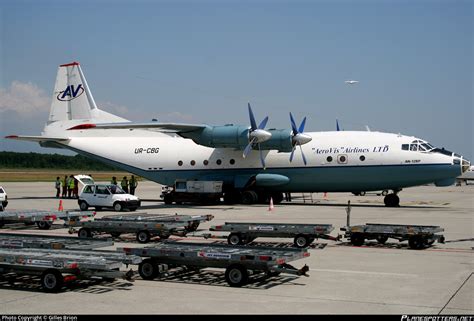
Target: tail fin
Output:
[(72, 99)]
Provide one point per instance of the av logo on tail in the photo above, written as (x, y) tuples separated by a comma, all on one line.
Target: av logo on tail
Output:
[(70, 93)]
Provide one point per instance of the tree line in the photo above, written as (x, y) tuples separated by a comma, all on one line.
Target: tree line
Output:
[(51, 161)]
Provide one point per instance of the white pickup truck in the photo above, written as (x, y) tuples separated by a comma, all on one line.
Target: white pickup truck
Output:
[(3, 198), (105, 195)]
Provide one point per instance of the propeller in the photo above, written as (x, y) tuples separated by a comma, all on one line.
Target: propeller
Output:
[(257, 135), (298, 137)]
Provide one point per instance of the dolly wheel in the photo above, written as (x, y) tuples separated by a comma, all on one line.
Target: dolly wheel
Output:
[(84, 233), (301, 241), (43, 225), (382, 239), (416, 242), (357, 239), (52, 280), (143, 237), (148, 269), (236, 275), (234, 239)]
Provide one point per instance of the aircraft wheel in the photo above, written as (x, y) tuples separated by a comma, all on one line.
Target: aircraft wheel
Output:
[(392, 200), (277, 198), (249, 197)]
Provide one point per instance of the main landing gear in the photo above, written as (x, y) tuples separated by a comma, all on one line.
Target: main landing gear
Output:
[(392, 199)]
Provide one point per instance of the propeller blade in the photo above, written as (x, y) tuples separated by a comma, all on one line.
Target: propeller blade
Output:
[(248, 148), (261, 157), (263, 123), (302, 155), (292, 153), (337, 125), (293, 125), (303, 123), (253, 123)]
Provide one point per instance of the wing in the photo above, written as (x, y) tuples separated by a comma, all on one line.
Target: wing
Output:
[(38, 139), (169, 127)]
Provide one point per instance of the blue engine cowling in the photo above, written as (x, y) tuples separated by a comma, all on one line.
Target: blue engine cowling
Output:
[(231, 136)]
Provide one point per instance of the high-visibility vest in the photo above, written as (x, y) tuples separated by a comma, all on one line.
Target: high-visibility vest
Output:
[(124, 183), (71, 183)]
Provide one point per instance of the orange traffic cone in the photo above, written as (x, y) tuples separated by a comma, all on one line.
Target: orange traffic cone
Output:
[(60, 208), (271, 207)]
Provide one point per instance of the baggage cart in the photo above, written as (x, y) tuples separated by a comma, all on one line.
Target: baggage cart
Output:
[(43, 219), (303, 234), (144, 229), (57, 267), (238, 261), (50, 242), (418, 236)]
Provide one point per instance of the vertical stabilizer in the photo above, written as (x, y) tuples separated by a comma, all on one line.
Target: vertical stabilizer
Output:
[(72, 98)]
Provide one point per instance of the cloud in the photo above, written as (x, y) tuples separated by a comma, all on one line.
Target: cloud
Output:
[(115, 109), (26, 99)]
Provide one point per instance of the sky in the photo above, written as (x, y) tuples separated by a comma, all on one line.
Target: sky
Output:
[(202, 61)]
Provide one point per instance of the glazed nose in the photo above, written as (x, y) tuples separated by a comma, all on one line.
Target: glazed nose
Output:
[(465, 165)]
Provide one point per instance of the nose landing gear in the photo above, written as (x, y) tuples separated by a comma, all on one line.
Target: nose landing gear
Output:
[(392, 200)]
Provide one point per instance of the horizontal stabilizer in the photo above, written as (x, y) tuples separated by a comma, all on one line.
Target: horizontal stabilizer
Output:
[(171, 127), (38, 139)]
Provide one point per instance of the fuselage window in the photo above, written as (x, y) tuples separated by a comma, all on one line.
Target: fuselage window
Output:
[(329, 159), (193, 162), (362, 158), (232, 161), (180, 163), (218, 162), (405, 146), (342, 159), (205, 162)]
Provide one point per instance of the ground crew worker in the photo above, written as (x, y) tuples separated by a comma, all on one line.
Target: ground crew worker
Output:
[(57, 184), (114, 180), (64, 187), (133, 185), (70, 186), (124, 184), (75, 190)]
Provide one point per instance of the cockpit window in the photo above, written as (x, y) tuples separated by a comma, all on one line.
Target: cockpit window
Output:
[(418, 145), (413, 147)]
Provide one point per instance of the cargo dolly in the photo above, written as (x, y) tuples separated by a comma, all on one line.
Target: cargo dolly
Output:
[(418, 236), (43, 219), (303, 234), (239, 261), (57, 267), (192, 220), (143, 228), (50, 242)]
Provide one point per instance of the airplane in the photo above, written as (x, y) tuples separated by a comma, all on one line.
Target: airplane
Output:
[(254, 163), (351, 82)]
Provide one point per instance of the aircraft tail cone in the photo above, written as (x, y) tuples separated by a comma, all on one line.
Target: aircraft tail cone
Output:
[(60, 208), (271, 207)]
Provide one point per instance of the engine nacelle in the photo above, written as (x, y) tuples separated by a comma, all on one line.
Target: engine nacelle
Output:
[(228, 136), (231, 136)]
